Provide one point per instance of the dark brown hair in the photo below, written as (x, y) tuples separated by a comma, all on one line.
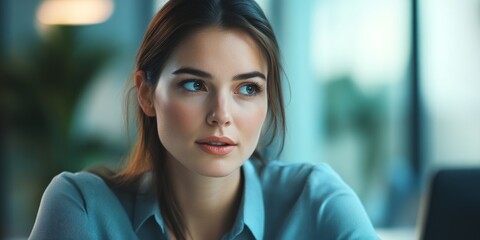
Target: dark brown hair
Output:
[(176, 20)]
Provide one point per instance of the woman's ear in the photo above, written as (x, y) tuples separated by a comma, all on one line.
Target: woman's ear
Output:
[(144, 94)]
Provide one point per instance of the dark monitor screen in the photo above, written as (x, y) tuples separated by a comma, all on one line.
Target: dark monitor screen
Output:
[(453, 207)]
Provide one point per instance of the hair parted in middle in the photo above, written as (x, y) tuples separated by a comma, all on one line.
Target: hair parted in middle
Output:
[(175, 21)]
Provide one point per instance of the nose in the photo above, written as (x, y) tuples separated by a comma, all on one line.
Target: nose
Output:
[(219, 114)]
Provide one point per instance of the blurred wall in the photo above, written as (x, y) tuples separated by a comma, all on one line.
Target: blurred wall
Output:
[(450, 73), (96, 130)]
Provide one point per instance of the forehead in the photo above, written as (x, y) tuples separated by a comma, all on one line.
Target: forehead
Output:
[(213, 48)]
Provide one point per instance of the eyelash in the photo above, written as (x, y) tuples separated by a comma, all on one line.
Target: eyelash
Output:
[(184, 82), (256, 87)]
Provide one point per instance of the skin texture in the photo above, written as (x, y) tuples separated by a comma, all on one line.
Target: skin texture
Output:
[(231, 102)]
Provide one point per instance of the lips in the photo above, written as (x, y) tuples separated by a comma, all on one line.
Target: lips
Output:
[(216, 145)]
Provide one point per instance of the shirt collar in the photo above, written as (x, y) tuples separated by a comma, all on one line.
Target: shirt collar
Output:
[(146, 204), (253, 208), (251, 212)]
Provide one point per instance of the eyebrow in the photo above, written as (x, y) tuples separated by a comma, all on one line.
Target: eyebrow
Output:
[(192, 71), (253, 74), (203, 74)]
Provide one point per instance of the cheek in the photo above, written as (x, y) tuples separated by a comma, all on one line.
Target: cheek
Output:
[(177, 119), (252, 121)]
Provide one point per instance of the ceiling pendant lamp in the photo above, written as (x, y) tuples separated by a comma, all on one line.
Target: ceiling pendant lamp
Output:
[(74, 12)]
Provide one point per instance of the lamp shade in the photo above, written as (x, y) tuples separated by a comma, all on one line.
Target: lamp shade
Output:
[(74, 12)]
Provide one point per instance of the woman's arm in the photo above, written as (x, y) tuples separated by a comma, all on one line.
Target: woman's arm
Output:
[(342, 216), (62, 213)]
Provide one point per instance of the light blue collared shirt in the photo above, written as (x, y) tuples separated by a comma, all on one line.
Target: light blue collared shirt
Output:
[(280, 201)]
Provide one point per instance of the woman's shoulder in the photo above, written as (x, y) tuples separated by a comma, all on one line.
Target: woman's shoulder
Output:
[(84, 185), (303, 185), (300, 175), (81, 203), (77, 179), (82, 190), (309, 200)]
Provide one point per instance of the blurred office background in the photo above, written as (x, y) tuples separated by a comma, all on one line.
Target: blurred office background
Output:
[(383, 91)]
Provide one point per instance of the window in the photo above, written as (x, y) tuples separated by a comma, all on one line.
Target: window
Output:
[(347, 64)]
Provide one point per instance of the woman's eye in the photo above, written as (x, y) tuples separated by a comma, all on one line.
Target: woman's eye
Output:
[(193, 85), (249, 89)]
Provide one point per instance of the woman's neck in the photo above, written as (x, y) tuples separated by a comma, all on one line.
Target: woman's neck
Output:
[(209, 204)]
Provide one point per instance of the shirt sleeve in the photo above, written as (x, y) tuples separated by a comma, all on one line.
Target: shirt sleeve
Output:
[(340, 214), (342, 217), (62, 213)]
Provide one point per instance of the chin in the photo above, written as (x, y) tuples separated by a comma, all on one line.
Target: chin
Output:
[(218, 168)]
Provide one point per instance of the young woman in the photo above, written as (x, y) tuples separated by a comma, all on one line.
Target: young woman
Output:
[(208, 90)]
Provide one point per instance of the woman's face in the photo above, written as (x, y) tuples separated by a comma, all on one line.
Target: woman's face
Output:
[(211, 101)]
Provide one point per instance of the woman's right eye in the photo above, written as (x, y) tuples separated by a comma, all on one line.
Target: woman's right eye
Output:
[(193, 85)]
